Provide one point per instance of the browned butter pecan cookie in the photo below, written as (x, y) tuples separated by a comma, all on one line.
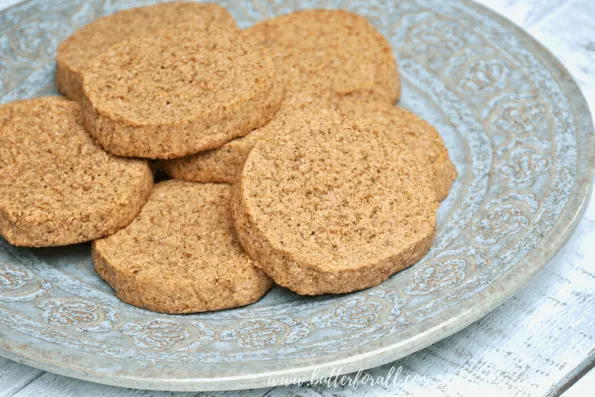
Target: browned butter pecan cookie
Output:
[(58, 186), (178, 92), (181, 255), (93, 39), (332, 203), (336, 52)]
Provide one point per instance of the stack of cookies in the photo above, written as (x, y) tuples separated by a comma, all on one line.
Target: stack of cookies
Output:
[(288, 161)]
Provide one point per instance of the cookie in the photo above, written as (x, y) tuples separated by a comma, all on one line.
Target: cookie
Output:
[(58, 187), (332, 203), (421, 138), (222, 164), (330, 51), (217, 165), (93, 39), (178, 92), (180, 255)]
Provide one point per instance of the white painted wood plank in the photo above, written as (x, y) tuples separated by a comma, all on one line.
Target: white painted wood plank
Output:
[(570, 34), (14, 376), (584, 387), (524, 12), (7, 3), (51, 385)]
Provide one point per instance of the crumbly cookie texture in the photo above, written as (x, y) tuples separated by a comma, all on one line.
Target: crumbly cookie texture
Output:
[(221, 165), (330, 53), (332, 203), (181, 255), (179, 92), (58, 187), (420, 137), (216, 165), (93, 39)]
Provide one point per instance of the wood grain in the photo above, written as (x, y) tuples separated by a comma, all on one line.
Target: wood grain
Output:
[(51, 385), (8, 3), (14, 376), (570, 34), (525, 13)]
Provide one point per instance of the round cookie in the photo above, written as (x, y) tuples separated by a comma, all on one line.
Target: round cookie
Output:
[(179, 92), (216, 165), (222, 164), (421, 138), (58, 186), (330, 51), (332, 203), (180, 255), (93, 39)]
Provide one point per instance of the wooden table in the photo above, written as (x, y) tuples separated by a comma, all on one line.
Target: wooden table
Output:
[(540, 342)]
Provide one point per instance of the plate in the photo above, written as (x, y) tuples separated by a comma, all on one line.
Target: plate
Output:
[(517, 128)]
